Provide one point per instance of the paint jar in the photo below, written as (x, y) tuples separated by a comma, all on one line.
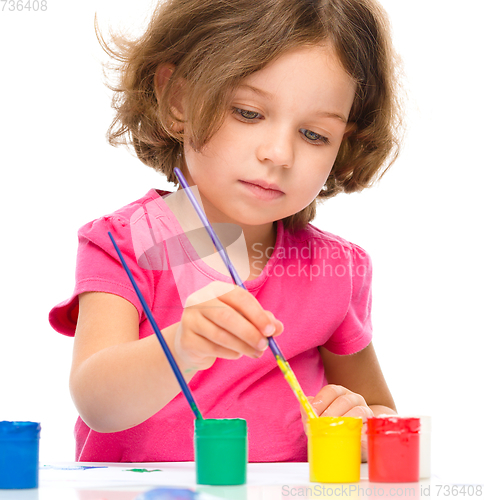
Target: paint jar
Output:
[(393, 449), (221, 451), (19, 455), (334, 449)]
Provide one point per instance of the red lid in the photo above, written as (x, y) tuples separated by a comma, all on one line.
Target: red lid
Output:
[(392, 423)]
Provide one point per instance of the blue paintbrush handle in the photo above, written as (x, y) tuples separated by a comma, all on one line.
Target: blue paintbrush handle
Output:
[(218, 245), (176, 370)]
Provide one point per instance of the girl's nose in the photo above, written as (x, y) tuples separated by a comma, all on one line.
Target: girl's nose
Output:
[(276, 145)]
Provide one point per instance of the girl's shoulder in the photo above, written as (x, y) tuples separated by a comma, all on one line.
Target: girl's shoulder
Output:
[(122, 216)]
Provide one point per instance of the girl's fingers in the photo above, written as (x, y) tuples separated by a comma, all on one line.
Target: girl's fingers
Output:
[(235, 321), (326, 396), (278, 324), (219, 341), (343, 404), (337, 401), (360, 411), (202, 346), (239, 313), (248, 306), (343, 399), (200, 353)]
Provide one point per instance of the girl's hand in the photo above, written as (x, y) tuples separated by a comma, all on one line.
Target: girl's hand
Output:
[(228, 326), (337, 401)]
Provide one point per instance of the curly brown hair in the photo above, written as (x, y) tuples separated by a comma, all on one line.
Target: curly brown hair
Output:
[(214, 44)]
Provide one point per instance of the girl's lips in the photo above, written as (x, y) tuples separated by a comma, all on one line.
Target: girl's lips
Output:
[(263, 184), (263, 190)]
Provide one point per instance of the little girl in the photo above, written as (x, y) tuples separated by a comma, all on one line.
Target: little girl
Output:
[(266, 107)]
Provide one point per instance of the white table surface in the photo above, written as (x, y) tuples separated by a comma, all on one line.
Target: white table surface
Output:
[(265, 481)]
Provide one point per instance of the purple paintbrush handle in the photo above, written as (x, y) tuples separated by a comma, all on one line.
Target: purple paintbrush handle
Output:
[(218, 245)]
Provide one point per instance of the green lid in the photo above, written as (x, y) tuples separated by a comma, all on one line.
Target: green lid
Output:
[(223, 427)]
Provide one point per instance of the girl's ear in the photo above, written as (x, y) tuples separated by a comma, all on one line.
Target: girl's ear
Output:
[(162, 76)]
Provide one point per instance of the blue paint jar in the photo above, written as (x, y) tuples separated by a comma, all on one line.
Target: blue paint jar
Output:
[(19, 455)]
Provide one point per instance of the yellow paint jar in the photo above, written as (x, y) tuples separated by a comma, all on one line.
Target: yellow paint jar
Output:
[(334, 449)]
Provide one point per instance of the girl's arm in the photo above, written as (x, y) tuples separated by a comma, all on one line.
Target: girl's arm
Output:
[(118, 381), (360, 374)]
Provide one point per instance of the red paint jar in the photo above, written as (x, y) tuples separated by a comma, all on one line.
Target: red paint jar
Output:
[(393, 449)]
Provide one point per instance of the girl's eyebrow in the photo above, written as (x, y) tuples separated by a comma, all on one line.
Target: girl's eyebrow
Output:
[(269, 96), (327, 114), (256, 90)]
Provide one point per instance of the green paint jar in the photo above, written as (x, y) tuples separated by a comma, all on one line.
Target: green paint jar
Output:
[(221, 451)]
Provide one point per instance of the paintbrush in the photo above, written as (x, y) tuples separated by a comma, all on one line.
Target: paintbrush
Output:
[(178, 374), (281, 360)]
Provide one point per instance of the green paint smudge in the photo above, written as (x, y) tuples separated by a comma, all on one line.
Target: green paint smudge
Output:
[(143, 470)]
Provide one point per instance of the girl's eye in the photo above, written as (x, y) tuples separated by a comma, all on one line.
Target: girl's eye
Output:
[(246, 114), (313, 137)]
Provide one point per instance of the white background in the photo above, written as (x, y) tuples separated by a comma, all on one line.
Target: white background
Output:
[(422, 224)]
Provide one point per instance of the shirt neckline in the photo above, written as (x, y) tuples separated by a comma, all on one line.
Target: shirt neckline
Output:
[(251, 285)]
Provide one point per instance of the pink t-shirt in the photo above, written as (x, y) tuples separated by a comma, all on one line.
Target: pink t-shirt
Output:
[(317, 284)]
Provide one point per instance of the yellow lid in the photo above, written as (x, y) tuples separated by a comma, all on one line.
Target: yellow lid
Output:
[(335, 425)]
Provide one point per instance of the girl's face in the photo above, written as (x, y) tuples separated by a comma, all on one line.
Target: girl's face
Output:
[(279, 140)]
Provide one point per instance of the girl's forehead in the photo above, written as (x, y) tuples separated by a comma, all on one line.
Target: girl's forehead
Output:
[(306, 78), (302, 65), (298, 58)]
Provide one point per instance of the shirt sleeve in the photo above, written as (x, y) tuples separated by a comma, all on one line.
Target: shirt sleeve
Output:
[(99, 269), (355, 331)]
